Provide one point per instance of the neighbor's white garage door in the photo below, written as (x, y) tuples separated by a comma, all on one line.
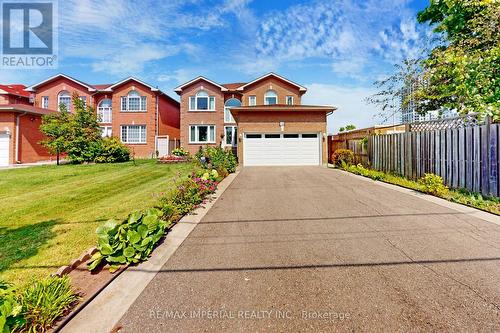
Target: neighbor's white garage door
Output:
[(281, 149), (4, 149)]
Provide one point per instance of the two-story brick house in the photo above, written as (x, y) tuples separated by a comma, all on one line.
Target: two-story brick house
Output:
[(19, 123), (263, 120), (140, 115)]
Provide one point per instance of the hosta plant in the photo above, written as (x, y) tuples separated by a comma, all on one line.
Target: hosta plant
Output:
[(130, 241), (10, 309)]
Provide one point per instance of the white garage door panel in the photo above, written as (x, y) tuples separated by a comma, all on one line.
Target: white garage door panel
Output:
[(281, 151), (4, 149)]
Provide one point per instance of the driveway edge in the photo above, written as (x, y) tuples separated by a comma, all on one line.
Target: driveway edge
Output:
[(107, 308), (485, 216)]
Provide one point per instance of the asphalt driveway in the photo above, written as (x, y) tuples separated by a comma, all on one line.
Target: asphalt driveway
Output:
[(312, 249)]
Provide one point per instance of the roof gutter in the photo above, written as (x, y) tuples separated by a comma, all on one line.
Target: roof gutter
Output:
[(18, 160)]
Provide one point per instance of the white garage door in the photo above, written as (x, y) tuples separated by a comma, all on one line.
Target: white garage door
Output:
[(4, 149), (281, 149)]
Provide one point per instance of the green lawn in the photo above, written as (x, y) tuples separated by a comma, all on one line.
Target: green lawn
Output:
[(48, 214)]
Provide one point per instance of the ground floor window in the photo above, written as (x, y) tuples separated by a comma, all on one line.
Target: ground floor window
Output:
[(230, 135), (202, 134), (106, 131), (133, 133)]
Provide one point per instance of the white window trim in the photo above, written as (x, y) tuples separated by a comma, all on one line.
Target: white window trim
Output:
[(195, 108), (45, 99), (134, 143), (286, 99), (274, 96), (101, 109), (105, 129), (250, 100), (143, 103), (235, 139), (191, 141), (59, 101)]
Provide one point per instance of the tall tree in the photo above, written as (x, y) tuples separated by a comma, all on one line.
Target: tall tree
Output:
[(56, 128), (462, 72), (396, 92)]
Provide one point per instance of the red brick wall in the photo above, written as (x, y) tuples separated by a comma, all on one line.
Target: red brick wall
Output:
[(281, 88), (53, 88), (201, 117), (147, 118), (30, 150), (169, 118)]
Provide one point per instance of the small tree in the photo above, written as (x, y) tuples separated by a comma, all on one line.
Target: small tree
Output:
[(84, 139), (56, 128), (342, 129), (350, 127)]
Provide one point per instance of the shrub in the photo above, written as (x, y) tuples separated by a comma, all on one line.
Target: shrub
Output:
[(130, 241), (341, 156), (180, 152), (433, 184), (44, 301), (112, 151), (217, 158), (10, 309)]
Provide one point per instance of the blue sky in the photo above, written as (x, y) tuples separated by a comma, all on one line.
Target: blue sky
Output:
[(336, 48)]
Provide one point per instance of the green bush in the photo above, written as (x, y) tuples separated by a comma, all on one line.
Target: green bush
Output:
[(112, 151), (434, 184), (342, 156), (130, 241), (180, 152), (217, 158), (10, 309), (44, 301)]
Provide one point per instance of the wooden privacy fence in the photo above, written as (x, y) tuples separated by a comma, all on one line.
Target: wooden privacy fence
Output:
[(466, 157)]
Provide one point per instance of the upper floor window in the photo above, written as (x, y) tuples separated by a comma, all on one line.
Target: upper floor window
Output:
[(45, 102), (84, 100), (105, 111), (64, 98), (202, 102), (252, 100), (289, 100), (270, 98), (232, 102), (133, 102)]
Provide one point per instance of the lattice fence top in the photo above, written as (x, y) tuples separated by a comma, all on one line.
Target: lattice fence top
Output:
[(467, 120)]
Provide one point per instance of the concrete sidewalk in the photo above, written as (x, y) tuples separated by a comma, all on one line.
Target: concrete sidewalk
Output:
[(312, 249)]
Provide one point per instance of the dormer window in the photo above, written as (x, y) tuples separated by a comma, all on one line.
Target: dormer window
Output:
[(202, 102), (133, 102), (64, 98), (270, 98)]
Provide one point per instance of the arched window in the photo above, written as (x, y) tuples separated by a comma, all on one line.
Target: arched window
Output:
[(232, 102), (202, 102), (133, 102), (105, 111), (64, 98), (270, 98)]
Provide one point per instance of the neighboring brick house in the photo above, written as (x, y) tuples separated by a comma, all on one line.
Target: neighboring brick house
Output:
[(263, 120), (19, 123), (140, 115)]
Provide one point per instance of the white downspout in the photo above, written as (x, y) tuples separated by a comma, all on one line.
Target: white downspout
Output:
[(18, 160)]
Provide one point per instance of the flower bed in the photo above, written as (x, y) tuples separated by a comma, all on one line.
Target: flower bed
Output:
[(173, 159)]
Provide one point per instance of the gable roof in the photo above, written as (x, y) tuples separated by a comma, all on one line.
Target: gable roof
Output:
[(130, 78), (233, 86), (32, 88), (14, 89), (301, 88), (179, 88)]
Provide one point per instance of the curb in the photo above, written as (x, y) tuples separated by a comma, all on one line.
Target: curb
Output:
[(477, 213), (109, 306)]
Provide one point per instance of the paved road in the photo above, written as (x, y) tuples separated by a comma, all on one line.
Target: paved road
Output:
[(314, 249)]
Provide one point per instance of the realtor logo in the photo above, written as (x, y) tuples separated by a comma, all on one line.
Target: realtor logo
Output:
[(29, 38)]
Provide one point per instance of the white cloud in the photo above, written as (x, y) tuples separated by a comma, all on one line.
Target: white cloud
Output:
[(351, 35), (352, 108)]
